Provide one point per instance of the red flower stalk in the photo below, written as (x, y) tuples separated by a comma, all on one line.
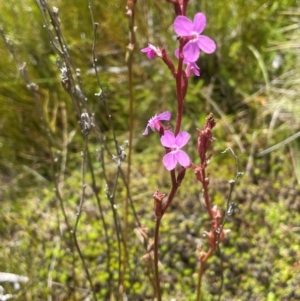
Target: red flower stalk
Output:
[(205, 139)]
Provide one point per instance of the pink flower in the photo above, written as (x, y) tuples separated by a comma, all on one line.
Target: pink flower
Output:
[(154, 122), (184, 27), (191, 67), (176, 155), (152, 51)]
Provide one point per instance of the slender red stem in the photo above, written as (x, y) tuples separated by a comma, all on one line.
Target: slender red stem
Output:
[(170, 198), (206, 195), (201, 272), (156, 272), (179, 90)]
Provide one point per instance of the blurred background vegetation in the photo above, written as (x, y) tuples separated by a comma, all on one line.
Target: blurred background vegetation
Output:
[(251, 84)]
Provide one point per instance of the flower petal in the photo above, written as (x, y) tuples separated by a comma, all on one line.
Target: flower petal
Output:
[(164, 116), (196, 72), (192, 67), (170, 161), (176, 52), (146, 130), (191, 51), (182, 139), (206, 44), (182, 158), (183, 26), (154, 123), (146, 49), (150, 52), (199, 22), (168, 139)]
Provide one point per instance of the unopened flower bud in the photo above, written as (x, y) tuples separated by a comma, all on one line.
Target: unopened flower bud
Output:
[(222, 235), (158, 198), (216, 213), (211, 235)]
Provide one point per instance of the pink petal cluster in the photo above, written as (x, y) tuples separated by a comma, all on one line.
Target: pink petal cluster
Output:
[(176, 155), (184, 27), (152, 51), (154, 122)]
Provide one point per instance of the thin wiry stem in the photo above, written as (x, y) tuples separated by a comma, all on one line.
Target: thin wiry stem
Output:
[(110, 194), (58, 42), (111, 198), (64, 147), (130, 48), (136, 217), (78, 214), (51, 268), (100, 94), (62, 50), (105, 227), (108, 250), (230, 206)]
